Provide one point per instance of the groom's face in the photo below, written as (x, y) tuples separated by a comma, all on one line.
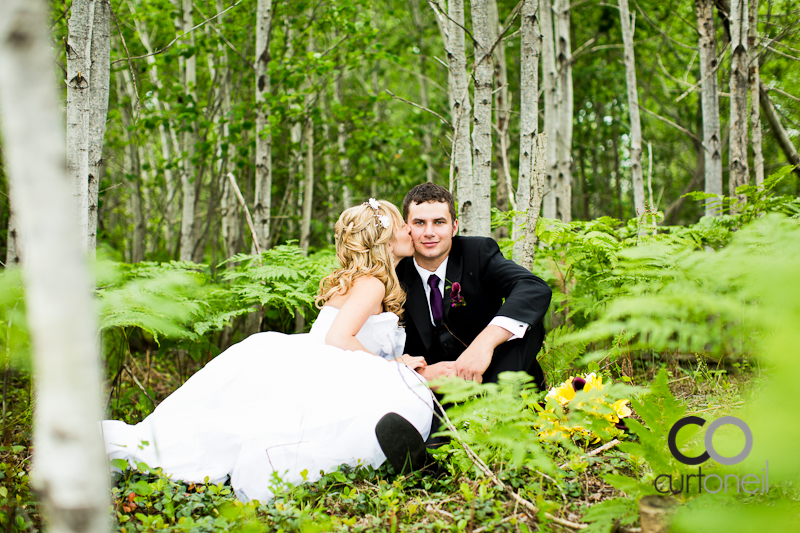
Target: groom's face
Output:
[(432, 231)]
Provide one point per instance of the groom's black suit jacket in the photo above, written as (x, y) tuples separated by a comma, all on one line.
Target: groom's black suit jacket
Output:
[(491, 285)]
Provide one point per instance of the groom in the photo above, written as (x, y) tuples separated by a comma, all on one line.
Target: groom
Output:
[(469, 311)]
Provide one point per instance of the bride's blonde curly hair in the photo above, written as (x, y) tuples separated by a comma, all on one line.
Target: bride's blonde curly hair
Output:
[(362, 246)]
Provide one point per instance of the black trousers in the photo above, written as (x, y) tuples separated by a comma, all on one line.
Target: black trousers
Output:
[(512, 356)]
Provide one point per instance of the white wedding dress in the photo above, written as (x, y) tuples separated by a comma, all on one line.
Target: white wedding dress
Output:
[(279, 403)]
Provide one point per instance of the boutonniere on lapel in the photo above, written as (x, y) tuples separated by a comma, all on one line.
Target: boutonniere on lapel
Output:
[(456, 299)]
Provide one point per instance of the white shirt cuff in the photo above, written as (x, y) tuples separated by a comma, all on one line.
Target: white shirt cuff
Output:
[(515, 327)]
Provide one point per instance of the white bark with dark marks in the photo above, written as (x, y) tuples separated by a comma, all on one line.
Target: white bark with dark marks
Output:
[(549, 82), (565, 111), (755, 81), (531, 42), (188, 176), (480, 221), (98, 105), (709, 104), (263, 187), (739, 23), (628, 23)]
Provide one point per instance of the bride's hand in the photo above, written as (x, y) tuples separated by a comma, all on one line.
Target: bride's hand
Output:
[(414, 363)]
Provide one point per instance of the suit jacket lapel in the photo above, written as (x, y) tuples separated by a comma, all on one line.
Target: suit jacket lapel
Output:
[(417, 305), (454, 267)]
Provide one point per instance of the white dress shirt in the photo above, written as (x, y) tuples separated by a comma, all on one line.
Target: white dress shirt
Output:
[(515, 327)]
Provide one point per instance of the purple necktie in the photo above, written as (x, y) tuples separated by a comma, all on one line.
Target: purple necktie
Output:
[(436, 299)]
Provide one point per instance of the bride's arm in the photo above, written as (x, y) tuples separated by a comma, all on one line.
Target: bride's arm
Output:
[(366, 297)]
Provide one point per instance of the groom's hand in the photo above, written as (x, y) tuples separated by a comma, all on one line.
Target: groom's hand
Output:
[(474, 361)]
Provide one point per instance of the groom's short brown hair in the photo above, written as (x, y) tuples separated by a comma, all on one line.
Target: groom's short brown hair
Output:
[(429, 192)]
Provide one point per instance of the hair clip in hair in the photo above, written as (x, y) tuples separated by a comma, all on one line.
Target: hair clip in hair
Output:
[(383, 220)]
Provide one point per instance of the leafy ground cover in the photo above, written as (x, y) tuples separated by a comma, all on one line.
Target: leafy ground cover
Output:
[(684, 320)]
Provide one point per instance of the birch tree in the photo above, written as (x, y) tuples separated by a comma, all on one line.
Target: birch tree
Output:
[(755, 81), (461, 111), (502, 105), (69, 467), (427, 142), (100, 79), (188, 177), (778, 131), (13, 241), (709, 99), (739, 22), (480, 219), (308, 179), (79, 67), (263, 185), (549, 76), (628, 24), (565, 111), (529, 124)]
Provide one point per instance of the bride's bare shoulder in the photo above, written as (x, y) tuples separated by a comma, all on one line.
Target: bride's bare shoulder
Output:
[(366, 290)]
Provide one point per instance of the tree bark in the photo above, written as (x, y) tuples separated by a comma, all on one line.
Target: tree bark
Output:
[(308, 180), (263, 187), (565, 111), (778, 130), (14, 253), (755, 82), (461, 165), (341, 142), (480, 220), (69, 467), (79, 67), (628, 29), (188, 177), (535, 204), (98, 105), (549, 77), (710, 104), (427, 142), (505, 191), (531, 42), (739, 22)]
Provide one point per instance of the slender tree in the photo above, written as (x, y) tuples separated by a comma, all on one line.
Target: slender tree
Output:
[(480, 219), (98, 109), (189, 179), (709, 103), (263, 186), (308, 179), (565, 112), (69, 468), (79, 68), (549, 82), (778, 131), (461, 165), (502, 104), (739, 22), (531, 42), (755, 81), (628, 28)]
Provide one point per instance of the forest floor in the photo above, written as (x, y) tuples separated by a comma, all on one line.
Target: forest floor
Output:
[(365, 499)]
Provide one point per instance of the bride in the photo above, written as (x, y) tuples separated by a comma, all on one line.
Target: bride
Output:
[(298, 405)]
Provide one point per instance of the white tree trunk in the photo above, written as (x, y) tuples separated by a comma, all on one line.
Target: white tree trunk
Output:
[(461, 165), (14, 253), (528, 124), (565, 108), (709, 99), (308, 180), (739, 22), (79, 68), (505, 190), (98, 104), (427, 142), (755, 82), (188, 176), (341, 142), (549, 77), (628, 29), (535, 203), (480, 220), (70, 472), (263, 186)]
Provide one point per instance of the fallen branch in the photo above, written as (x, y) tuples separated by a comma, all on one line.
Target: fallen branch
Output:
[(246, 212), (440, 117)]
